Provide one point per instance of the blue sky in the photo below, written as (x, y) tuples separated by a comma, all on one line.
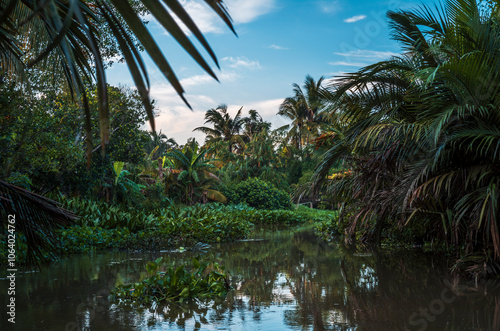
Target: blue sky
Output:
[(279, 42)]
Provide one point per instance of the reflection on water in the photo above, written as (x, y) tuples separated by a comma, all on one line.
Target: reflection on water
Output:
[(288, 281)]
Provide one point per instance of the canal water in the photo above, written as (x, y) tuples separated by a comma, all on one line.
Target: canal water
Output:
[(286, 280)]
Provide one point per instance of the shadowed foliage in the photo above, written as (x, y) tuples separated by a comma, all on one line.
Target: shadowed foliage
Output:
[(66, 36), (36, 217), (423, 131)]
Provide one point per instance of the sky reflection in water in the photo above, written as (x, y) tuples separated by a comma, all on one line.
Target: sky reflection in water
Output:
[(289, 281)]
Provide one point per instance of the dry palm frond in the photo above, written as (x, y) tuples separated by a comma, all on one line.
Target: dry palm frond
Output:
[(36, 217)]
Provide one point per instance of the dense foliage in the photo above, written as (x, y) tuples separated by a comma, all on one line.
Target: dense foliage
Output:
[(406, 149), (420, 133), (258, 194)]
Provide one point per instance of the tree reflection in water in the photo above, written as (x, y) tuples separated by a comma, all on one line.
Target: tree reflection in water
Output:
[(288, 280)]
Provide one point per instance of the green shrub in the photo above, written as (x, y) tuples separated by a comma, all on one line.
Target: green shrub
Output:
[(19, 179), (258, 194)]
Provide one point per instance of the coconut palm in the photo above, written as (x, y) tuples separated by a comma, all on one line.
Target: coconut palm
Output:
[(303, 109), (225, 128), (160, 140), (254, 124)]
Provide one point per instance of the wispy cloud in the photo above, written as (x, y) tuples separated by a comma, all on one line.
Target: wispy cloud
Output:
[(244, 11), (206, 20), (355, 18), (348, 64), (241, 11), (329, 7), (242, 62), (368, 54), (268, 109), (274, 46)]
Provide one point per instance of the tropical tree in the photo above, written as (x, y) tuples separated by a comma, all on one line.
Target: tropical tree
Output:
[(225, 128), (159, 144), (303, 109), (254, 124), (66, 36), (423, 130)]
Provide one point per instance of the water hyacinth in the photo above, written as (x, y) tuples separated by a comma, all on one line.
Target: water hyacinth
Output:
[(202, 281)]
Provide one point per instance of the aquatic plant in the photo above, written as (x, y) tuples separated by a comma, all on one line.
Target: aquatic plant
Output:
[(202, 281)]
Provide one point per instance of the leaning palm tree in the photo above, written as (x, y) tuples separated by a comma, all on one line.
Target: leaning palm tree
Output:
[(36, 217)]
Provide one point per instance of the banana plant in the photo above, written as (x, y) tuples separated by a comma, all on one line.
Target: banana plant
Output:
[(194, 174), (126, 190)]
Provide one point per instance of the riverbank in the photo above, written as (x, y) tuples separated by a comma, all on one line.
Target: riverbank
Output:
[(102, 227)]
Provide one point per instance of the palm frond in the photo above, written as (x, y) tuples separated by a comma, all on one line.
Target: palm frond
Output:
[(36, 217)]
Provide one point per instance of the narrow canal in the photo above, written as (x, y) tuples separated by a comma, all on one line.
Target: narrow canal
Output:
[(286, 280)]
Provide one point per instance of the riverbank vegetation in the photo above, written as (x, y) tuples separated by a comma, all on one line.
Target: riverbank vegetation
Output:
[(404, 150)]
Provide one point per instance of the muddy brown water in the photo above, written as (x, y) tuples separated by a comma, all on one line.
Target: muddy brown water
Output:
[(283, 280)]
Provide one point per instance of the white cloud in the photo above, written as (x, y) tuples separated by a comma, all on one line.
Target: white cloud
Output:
[(367, 54), (274, 46), (196, 80), (178, 122), (205, 18), (355, 18), (244, 11), (175, 118), (242, 62), (349, 64), (241, 11), (268, 109), (329, 7)]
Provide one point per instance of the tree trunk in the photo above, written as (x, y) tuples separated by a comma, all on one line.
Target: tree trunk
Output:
[(160, 169)]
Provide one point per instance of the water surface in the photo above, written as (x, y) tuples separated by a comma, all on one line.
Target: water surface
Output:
[(283, 281)]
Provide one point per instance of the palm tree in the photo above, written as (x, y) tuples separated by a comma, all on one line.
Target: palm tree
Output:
[(159, 144), (36, 217), (225, 128), (423, 131), (303, 109), (254, 124)]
